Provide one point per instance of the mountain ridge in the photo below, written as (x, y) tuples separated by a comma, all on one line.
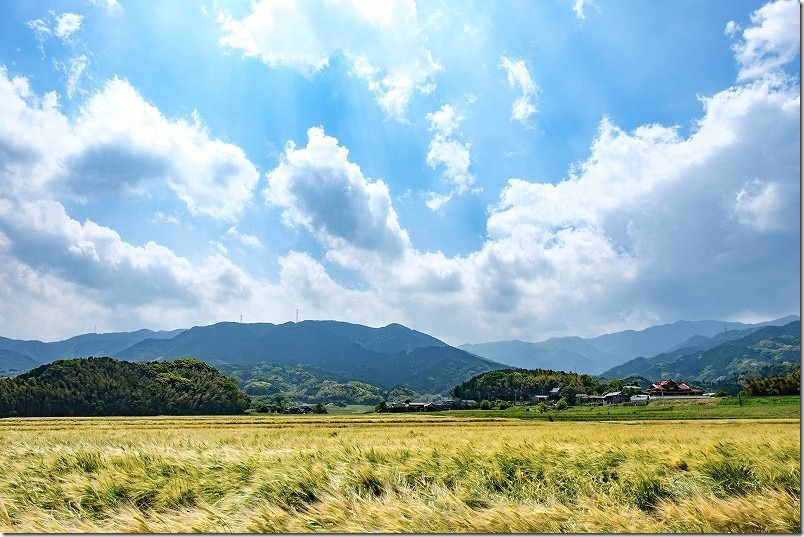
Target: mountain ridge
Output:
[(766, 346), (388, 356), (609, 350)]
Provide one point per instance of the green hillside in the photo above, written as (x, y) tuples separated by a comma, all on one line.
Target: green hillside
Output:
[(389, 356), (778, 346), (522, 384), (109, 387)]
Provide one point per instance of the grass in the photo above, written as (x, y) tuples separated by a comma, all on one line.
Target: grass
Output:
[(397, 473)]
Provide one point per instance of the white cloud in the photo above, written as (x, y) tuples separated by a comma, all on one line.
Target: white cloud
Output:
[(67, 24), (41, 30), (123, 144), (74, 68), (650, 227), (110, 5), (445, 151), (245, 238), (33, 135), (771, 42), (162, 218), (577, 7), (762, 205), (444, 121), (381, 41), (320, 190), (519, 76)]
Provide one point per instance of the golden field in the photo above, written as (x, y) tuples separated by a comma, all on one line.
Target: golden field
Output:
[(392, 473)]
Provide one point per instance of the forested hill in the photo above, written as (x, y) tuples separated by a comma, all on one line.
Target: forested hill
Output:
[(109, 387), (520, 384)]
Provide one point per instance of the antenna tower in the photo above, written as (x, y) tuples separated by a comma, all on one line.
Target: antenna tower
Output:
[(297, 315)]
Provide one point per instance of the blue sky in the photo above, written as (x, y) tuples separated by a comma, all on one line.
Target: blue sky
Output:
[(475, 170)]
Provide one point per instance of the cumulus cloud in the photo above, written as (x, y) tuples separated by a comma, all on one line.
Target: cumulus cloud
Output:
[(381, 41), (74, 273), (765, 206), (319, 189), (42, 236), (519, 76), (651, 226), (118, 144), (445, 151), (773, 40), (34, 136)]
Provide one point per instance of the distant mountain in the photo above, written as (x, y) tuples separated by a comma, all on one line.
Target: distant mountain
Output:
[(390, 356), (598, 354), (12, 362), (757, 348), (572, 353), (36, 353)]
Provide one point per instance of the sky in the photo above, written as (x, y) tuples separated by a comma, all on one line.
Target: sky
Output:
[(478, 171)]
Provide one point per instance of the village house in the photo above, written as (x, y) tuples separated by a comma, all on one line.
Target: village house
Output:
[(584, 399), (669, 388)]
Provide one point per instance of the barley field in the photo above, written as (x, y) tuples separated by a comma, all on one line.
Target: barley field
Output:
[(390, 473)]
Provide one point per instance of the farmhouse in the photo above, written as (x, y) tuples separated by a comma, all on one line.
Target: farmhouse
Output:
[(615, 398), (669, 388), (584, 399)]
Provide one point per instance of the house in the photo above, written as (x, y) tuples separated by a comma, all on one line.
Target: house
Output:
[(421, 407), (536, 399), (554, 393), (615, 398), (583, 399), (669, 388)]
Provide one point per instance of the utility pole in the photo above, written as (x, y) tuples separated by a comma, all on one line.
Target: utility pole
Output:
[(737, 383)]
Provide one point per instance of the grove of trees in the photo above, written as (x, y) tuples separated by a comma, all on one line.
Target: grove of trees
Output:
[(109, 387)]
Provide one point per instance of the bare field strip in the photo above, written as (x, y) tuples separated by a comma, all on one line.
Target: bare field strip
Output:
[(391, 473)]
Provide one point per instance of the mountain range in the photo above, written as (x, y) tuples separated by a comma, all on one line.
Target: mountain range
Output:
[(390, 356), (599, 354), (776, 348)]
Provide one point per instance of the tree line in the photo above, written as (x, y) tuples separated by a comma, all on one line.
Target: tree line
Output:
[(776, 385), (108, 387)]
